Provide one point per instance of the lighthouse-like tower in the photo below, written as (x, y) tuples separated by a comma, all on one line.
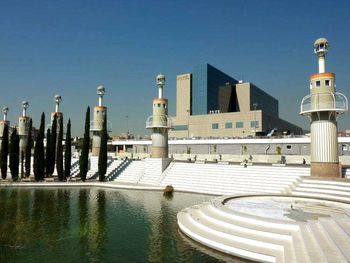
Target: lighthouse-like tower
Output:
[(159, 122), (97, 125), (23, 127), (323, 106), (57, 99), (3, 122)]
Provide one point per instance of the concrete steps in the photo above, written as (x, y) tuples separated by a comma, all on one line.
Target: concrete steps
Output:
[(74, 172), (326, 189), (337, 235), (154, 170), (222, 179), (262, 239), (112, 168), (227, 243), (132, 173)]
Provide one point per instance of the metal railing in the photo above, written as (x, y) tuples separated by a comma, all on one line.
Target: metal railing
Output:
[(159, 122), (328, 101), (95, 124)]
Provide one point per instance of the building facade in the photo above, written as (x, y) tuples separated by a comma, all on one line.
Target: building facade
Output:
[(209, 103)]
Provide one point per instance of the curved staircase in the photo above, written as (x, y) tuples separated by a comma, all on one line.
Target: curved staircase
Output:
[(325, 238)]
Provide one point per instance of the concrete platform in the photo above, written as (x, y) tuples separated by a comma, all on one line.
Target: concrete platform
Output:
[(272, 228)]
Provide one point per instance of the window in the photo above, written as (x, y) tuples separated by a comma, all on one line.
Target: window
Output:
[(327, 82), (215, 126), (289, 147), (254, 124), (228, 125), (318, 83), (239, 124), (180, 128), (158, 105)]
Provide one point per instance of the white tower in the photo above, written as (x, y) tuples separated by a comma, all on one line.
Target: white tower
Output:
[(3, 122), (159, 122), (97, 124), (323, 106), (23, 127), (57, 99)]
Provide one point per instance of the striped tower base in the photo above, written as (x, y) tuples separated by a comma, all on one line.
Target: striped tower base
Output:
[(324, 149)]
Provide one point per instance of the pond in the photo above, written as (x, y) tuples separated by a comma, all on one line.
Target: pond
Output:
[(96, 225)]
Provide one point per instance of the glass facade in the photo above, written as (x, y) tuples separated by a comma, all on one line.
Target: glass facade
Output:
[(206, 81)]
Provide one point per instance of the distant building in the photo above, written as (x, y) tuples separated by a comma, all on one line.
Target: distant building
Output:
[(210, 103)]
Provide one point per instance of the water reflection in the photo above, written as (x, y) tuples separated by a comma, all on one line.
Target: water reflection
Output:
[(94, 225)]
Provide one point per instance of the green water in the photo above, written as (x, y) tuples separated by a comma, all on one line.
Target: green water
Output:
[(95, 225)]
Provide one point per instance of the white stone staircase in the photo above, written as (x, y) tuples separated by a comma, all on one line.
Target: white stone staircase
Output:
[(154, 170), (133, 172), (74, 172), (336, 190), (112, 168), (93, 167), (220, 179), (262, 239)]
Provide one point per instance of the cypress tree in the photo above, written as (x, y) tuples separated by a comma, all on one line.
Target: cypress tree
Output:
[(48, 158), (59, 154), (39, 157), (84, 157), (4, 151), (68, 152), (53, 140), (14, 155), (22, 164), (102, 157), (28, 153)]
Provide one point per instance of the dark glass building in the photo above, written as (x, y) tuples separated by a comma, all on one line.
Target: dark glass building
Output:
[(206, 81)]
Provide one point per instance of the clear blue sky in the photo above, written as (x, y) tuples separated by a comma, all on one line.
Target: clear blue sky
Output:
[(69, 47)]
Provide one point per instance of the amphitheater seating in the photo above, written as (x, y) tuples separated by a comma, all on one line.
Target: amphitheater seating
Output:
[(221, 179), (74, 172), (326, 239), (132, 173), (321, 188), (112, 168)]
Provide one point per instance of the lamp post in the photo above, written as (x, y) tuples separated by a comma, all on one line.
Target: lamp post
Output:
[(127, 123), (255, 105), (188, 123)]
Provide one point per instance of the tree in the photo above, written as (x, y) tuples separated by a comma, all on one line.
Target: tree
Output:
[(278, 150), (53, 141), (39, 157), (22, 164), (59, 154), (102, 156), (68, 152), (48, 158), (14, 155), (84, 157), (28, 150), (4, 151)]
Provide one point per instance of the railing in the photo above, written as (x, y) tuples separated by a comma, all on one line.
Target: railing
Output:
[(163, 121), (328, 101), (97, 126)]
